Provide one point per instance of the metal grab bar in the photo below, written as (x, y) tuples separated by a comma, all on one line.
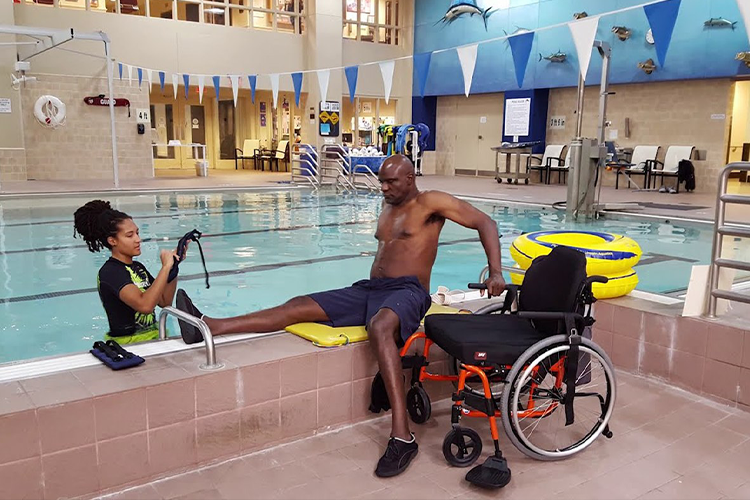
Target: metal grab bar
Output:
[(721, 230), (211, 363)]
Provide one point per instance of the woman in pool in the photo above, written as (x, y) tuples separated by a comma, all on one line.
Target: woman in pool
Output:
[(129, 293)]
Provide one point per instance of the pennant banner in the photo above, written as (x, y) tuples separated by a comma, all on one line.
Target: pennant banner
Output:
[(140, 77), (297, 81), (119, 66), (662, 17), (744, 6), (351, 79), (422, 69), (162, 77), (130, 75), (234, 80), (467, 56), (520, 49), (186, 81), (253, 81), (217, 85), (201, 86), (584, 32), (275, 88), (386, 69), (323, 76), (175, 84), (149, 78)]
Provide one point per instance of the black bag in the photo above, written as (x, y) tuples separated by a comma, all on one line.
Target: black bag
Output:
[(686, 174)]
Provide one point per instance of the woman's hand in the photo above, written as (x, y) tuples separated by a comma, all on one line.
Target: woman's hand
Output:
[(168, 258)]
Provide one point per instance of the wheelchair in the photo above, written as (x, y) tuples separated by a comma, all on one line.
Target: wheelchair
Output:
[(557, 387)]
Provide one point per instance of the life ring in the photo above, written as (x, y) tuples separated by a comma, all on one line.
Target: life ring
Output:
[(49, 111), (606, 254), (619, 284)]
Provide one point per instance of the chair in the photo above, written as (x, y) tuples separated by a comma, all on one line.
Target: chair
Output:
[(281, 153), (561, 168), (250, 150), (669, 167), (559, 386), (640, 164), (552, 153)]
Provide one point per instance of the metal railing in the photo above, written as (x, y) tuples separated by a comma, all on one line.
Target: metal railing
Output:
[(305, 170), (208, 338), (364, 178), (721, 229)]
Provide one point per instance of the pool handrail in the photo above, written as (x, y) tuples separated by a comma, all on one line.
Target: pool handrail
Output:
[(208, 338)]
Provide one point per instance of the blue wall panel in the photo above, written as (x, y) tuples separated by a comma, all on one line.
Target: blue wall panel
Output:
[(695, 51)]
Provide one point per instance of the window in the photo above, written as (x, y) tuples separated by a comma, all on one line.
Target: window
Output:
[(374, 21)]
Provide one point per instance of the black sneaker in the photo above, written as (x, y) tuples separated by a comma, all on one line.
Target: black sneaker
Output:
[(190, 333), (397, 457)]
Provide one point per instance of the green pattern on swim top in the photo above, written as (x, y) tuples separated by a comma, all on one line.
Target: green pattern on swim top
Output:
[(142, 321)]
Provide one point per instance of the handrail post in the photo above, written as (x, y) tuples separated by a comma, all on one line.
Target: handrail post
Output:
[(208, 338)]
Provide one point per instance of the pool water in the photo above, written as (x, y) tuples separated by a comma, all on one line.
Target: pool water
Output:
[(261, 248)]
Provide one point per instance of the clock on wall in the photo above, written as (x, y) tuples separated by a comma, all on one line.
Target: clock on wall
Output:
[(649, 37)]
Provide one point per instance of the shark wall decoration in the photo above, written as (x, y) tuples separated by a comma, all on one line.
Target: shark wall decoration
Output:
[(461, 8)]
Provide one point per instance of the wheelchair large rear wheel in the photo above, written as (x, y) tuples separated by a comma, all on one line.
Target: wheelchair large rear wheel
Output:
[(533, 412)]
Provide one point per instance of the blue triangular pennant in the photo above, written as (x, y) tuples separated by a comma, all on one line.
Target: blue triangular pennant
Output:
[(186, 81), (140, 77), (520, 48), (422, 69), (297, 81), (217, 85), (253, 81), (662, 17), (351, 78), (119, 65), (162, 76)]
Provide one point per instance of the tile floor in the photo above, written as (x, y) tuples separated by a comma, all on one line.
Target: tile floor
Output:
[(667, 444)]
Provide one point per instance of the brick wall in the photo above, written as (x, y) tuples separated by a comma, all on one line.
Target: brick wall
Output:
[(82, 147), (664, 113), (12, 164)]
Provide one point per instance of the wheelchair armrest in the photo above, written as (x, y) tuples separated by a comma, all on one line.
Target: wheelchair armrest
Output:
[(511, 292), (596, 279)]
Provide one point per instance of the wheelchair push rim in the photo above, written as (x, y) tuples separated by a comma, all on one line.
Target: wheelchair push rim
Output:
[(534, 420)]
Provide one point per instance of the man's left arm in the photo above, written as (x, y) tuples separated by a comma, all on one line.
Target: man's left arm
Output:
[(470, 217)]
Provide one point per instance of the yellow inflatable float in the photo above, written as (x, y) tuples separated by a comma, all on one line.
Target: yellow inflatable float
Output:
[(610, 255)]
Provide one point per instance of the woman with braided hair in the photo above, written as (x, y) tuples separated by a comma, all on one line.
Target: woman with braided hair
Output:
[(129, 293)]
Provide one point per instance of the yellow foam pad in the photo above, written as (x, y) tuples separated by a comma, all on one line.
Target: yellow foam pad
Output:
[(328, 336)]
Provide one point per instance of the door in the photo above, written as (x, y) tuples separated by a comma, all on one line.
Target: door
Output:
[(478, 128), (227, 134), (185, 123)]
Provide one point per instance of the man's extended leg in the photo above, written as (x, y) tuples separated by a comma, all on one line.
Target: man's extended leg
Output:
[(383, 330), (297, 310)]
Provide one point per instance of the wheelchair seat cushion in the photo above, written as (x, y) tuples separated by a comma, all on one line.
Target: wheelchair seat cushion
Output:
[(482, 339)]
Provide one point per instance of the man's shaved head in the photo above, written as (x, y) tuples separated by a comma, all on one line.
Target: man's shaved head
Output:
[(396, 177)]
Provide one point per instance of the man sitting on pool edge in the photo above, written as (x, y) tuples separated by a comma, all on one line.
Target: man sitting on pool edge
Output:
[(392, 302)]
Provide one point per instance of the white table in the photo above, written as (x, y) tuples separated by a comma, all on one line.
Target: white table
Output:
[(196, 147)]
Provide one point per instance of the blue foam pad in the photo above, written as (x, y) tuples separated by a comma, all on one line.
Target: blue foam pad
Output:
[(117, 365)]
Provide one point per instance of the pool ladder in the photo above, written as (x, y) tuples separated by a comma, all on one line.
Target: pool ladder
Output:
[(208, 338), (721, 229)]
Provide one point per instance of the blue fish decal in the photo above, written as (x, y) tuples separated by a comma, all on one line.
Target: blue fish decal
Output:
[(459, 8)]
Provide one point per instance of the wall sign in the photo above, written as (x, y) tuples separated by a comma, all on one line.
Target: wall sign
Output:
[(143, 115), (329, 119), (556, 122), (5, 106), (517, 116)]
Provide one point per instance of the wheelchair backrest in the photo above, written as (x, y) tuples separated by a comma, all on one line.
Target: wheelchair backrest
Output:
[(553, 283)]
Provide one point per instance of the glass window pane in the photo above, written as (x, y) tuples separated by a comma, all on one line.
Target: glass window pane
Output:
[(73, 4), (133, 7), (42, 2), (262, 4), (238, 17), (162, 124), (226, 130), (213, 14), (161, 8), (188, 11), (367, 33), (350, 30), (386, 35)]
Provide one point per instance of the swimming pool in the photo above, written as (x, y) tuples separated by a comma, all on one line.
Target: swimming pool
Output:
[(261, 247)]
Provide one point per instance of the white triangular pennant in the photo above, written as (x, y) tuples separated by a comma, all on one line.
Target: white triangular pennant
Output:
[(149, 77), (201, 86), (175, 84), (467, 56), (235, 81), (744, 6), (386, 69), (130, 74), (584, 32), (275, 88), (323, 76)]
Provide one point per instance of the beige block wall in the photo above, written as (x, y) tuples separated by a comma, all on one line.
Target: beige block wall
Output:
[(12, 164), (82, 147), (663, 113)]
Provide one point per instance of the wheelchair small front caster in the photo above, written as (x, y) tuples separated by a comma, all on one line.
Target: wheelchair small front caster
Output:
[(418, 404), (607, 433), (462, 447)]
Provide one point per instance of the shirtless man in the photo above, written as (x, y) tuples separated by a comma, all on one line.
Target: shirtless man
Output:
[(392, 302)]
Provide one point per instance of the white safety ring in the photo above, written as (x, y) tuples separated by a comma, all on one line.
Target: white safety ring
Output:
[(49, 111)]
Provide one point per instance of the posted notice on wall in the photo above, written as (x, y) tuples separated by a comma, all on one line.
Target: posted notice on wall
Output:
[(517, 116), (5, 105)]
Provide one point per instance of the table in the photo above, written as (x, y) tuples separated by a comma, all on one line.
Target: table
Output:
[(510, 149), (373, 162), (196, 147)]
